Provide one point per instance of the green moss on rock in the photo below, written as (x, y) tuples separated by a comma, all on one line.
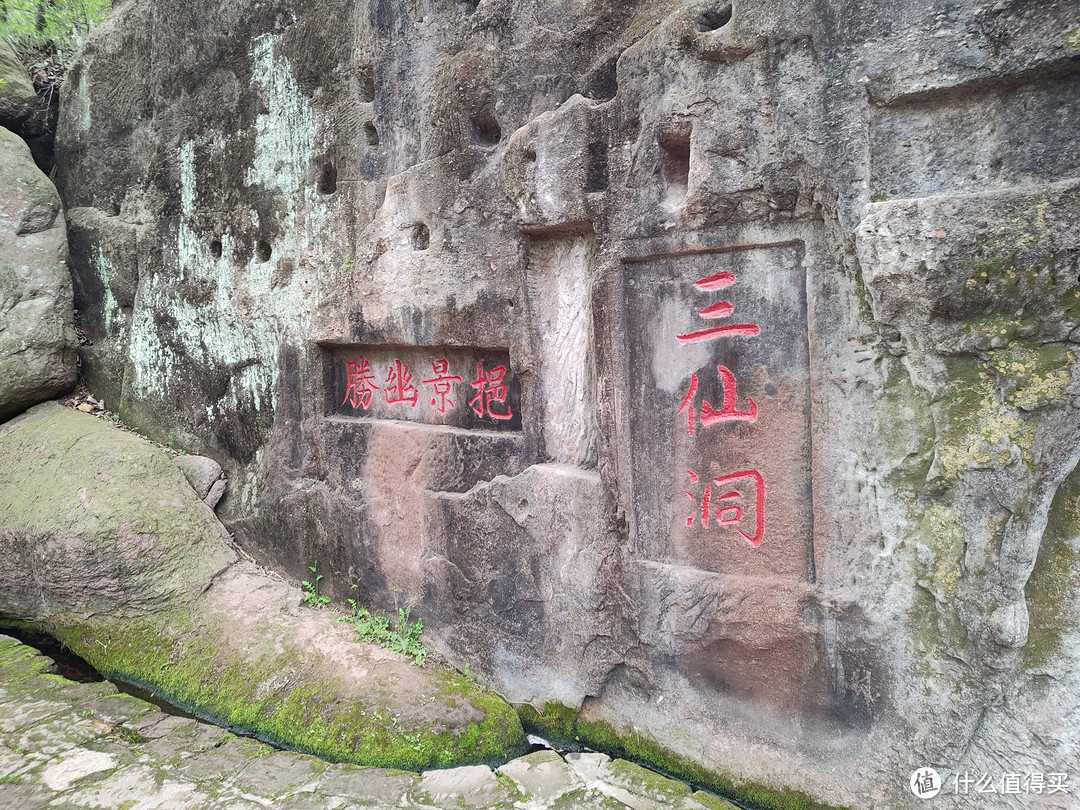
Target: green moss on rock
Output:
[(170, 656), (563, 725), (1055, 581), (942, 533)]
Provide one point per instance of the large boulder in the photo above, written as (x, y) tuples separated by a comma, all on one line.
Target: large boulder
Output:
[(104, 544), (95, 520), (37, 340), (707, 368), (20, 108)]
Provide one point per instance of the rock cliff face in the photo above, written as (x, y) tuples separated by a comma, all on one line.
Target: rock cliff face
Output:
[(709, 367)]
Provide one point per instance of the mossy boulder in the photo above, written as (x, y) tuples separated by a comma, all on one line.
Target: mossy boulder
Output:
[(20, 109), (104, 544), (37, 339), (96, 521)]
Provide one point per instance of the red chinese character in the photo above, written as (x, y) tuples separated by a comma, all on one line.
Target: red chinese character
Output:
[(491, 389), (441, 384), (399, 385), (360, 383), (710, 416), (718, 310), (730, 514), (759, 503)]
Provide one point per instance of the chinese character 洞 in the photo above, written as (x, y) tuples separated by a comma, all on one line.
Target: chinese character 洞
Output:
[(400, 388), (709, 415), (729, 513), (719, 310), (441, 384), (360, 382), (490, 390)]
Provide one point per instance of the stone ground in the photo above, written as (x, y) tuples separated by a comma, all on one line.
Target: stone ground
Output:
[(67, 745)]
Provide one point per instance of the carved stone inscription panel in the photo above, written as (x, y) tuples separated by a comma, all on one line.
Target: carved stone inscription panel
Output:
[(720, 412), (472, 389)]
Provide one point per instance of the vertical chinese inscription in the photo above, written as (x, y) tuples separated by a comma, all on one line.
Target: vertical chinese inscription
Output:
[(721, 422)]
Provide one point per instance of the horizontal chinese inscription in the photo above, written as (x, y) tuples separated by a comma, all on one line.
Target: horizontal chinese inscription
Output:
[(472, 389)]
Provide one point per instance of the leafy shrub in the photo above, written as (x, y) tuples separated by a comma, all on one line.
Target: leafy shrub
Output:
[(47, 33)]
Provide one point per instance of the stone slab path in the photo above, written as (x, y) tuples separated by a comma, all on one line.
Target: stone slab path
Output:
[(67, 745)]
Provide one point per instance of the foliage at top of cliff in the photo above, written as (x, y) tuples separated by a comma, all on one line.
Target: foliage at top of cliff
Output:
[(47, 33)]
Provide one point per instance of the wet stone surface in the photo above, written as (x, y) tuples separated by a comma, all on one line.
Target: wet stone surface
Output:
[(66, 745)]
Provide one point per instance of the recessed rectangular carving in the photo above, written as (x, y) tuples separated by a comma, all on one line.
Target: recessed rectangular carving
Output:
[(471, 389), (720, 380), (988, 138)]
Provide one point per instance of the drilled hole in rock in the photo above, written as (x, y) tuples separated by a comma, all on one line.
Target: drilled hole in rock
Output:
[(470, 6), (596, 175), (366, 78), (215, 248), (486, 129), (421, 237), (603, 83), (371, 135), (328, 179), (714, 18), (263, 251), (530, 155), (675, 159)]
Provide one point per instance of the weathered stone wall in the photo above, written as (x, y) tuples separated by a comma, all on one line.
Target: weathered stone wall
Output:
[(708, 367)]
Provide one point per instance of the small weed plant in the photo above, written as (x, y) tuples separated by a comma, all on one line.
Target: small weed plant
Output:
[(375, 628), (312, 597), (403, 636)]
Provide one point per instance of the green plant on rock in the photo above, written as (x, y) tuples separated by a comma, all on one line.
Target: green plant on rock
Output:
[(312, 597), (404, 638)]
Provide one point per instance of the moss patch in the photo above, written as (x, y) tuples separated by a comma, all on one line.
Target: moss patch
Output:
[(977, 429), (940, 531), (1055, 580), (171, 657), (647, 783), (562, 725)]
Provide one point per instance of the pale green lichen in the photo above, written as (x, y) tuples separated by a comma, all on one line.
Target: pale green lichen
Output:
[(942, 533), (236, 328), (1036, 375), (111, 313), (285, 133)]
